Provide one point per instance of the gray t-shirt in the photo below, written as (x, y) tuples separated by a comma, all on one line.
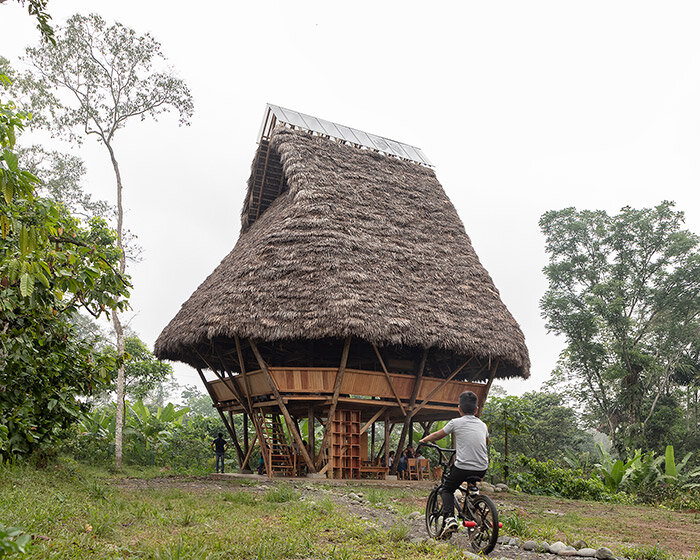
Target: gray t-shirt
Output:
[(470, 435)]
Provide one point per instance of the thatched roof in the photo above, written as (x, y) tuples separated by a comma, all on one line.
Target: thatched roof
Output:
[(354, 243)]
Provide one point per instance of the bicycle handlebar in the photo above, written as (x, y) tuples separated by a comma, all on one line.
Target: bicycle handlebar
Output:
[(444, 462)]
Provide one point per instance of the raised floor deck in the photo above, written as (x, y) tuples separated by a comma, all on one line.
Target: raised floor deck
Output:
[(361, 389)]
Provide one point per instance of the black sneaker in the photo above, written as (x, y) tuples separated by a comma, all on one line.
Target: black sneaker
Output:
[(450, 527)]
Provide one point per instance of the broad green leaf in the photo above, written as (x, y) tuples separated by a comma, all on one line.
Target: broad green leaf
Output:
[(11, 160), (23, 239), (670, 462), (26, 285)]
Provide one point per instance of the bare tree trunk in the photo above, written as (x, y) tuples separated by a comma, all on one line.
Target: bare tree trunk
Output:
[(119, 420)]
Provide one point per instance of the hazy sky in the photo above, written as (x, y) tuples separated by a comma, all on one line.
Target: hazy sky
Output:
[(523, 107)]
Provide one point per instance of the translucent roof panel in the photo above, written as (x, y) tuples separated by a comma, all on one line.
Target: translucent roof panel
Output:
[(347, 134)]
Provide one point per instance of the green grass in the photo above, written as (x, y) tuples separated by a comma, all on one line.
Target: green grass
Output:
[(83, 512), (655, 552)]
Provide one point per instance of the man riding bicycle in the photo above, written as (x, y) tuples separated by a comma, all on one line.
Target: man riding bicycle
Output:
[(471, 441)]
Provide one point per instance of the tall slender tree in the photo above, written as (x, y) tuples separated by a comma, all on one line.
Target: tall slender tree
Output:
[(95, 79)]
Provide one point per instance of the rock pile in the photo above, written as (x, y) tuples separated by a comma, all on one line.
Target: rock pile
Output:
[(559, 548)]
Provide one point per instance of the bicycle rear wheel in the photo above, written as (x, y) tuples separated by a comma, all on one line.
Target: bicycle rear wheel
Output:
[(433, 511), (483, 537)]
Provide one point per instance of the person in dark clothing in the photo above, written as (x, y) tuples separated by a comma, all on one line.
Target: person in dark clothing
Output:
[(219, 446)]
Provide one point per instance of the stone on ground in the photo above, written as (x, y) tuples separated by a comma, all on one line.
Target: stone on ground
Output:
[(586, 552), (557, 547), (604, 553)]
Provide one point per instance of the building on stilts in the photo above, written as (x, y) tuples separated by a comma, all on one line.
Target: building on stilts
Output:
[(353, 300)]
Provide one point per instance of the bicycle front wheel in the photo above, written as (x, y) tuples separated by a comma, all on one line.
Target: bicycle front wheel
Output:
[(483, 537), (433, 511)]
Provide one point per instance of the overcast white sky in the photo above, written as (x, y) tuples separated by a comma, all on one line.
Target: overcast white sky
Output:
[(523, 107)]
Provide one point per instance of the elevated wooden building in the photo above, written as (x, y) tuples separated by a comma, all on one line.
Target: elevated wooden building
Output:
[(352, 296)]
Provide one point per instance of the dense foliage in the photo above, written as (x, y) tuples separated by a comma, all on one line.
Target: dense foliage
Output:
[(624, 291), (170, 437), (51, 268)]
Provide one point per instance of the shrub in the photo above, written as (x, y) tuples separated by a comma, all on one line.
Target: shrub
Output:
[(546, 478)]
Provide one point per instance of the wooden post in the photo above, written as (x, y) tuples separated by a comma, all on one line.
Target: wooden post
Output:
[(247, 455), (445, 382), (488, 388), (312, 432), (244, 373), (246, 443), (283, 408), (371, 449), (387, 433), (409, 417), (388, 378), (334, 400), (234, 437)]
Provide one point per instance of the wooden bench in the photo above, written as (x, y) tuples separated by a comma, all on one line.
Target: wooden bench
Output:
[(374, 471)]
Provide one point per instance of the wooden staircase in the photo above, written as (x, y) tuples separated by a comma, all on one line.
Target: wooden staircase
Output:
[(280, 455)]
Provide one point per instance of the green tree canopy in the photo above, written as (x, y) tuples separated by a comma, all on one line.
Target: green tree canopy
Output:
[(624, 292)]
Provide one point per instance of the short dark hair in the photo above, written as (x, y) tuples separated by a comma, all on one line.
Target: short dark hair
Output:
[(468, 401), (220, 434)]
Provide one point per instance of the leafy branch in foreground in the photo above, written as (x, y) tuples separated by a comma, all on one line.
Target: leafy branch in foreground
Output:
[(51, 268)]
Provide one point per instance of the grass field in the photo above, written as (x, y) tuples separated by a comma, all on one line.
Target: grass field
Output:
[(79, 512)]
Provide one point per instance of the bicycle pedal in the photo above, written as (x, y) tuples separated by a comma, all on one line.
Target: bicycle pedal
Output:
[(469, 524)]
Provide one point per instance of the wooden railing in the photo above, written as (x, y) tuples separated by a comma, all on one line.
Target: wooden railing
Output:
[(319, 381)]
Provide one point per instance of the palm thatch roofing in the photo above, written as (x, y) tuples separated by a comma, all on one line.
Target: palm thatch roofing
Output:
[(348, 242)]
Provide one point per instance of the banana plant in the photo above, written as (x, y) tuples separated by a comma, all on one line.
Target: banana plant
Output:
[(614, 473), (147, 432)]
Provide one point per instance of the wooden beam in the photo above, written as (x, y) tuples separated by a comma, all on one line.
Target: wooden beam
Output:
[(234, 385), (409, 417), (311, 426), (234, 437), (212, 395), (388, 378), (246, 443), (246, 381), (283, 408), (334, 401), (250, 450), (488, 388), (387, 435), (244, 373), (445, 382), (373, 419), (231, 386)]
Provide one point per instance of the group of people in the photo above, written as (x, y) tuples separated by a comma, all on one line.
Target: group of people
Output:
[(402, 466)]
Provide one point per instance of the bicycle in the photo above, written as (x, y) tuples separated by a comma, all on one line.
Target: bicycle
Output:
[(478, 514)]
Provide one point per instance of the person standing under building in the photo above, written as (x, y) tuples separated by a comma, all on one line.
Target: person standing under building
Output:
[(219, 446)]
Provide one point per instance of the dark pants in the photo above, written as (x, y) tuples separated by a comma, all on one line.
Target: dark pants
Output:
[(219, 459), (456, 477)]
